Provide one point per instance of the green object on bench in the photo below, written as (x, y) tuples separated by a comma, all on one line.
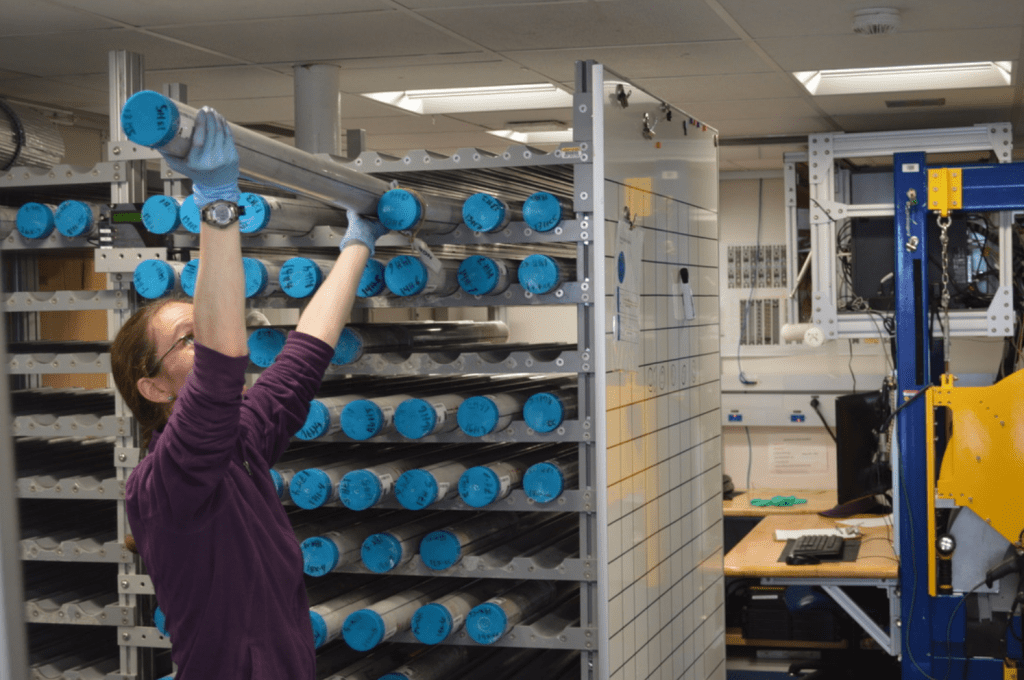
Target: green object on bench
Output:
[(777, 501)]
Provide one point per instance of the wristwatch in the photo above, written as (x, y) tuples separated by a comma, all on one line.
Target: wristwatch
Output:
[(221, 214)]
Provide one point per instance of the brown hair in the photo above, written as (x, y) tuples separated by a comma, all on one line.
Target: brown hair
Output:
[(133, 356)]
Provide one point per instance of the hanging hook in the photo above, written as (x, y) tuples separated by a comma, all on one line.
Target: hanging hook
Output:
[(649, 124), (622, 96)]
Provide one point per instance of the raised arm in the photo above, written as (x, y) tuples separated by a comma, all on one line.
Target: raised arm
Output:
[(212, 165), (331, 306)]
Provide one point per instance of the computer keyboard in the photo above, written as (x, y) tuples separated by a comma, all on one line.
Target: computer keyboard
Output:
[(818, 546)]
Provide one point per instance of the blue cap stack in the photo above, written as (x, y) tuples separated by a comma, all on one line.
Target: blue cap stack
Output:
[(415, 418), (150, 119), (416, 489), (360, 489), (74, 218), (35, 221), (483, 213), (319, 556), (542, 211), (264, 345), (257, 213), (381, 553), (399, 209), (362, 419), (478, 416), (160, 214), (486, 623), (189, 275), (318, 421), (432, 624), (372, 281), (153, 279), (543, 482), (363, 630), (543, 412), (300, 277), (256, 276), (539, 274), (405, 275), (440, 550), (311, 488), (479, 486)]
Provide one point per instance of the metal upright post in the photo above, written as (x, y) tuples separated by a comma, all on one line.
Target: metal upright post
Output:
[(913, 359)]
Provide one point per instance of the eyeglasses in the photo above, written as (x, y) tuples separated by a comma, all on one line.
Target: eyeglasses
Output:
[(184, 341)]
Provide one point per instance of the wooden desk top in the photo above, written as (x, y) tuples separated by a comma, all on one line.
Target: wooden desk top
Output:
[(757, 555), (817, 501)]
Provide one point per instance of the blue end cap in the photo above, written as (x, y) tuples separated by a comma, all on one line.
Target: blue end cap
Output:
[(160, 621), (264, 346), (478, 275), (440, 550), (319, 556), (348, 349), (74, 218), (35, 220), (363, 630), (486, 623), (256, 276), (543, 482), (318, 422), (153, 279), (362, 419), (278, 481), (381, 553), (160, 214), (399, 210), (405, 275), (479, 486), (478, 416), (542, 211), (416, 489), (394, 676), (189, 215), (257, 213), (372, 281), (539, 274), (360, 489), (543, 412), (319, 629), (415, 418), (300, 277), (310, 488), (432, 624), (150, 119), (188, 276), (483, 212)]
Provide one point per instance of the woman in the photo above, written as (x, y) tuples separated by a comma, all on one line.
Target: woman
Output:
[(226, 568)]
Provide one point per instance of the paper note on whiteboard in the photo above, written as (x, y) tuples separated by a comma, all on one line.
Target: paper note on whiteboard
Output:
[(797, 455), (629, 246)]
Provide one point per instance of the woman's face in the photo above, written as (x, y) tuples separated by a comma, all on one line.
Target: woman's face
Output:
[(171, 330)]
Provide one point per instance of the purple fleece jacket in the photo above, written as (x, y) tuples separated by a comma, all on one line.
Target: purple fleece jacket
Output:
[(225, 564)]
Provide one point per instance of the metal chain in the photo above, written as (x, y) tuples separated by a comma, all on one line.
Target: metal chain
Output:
[(944, 223)]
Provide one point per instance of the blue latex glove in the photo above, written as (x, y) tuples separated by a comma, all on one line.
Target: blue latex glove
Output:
[(366, 230), (212, 162)]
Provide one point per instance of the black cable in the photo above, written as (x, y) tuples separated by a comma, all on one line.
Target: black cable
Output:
[(949, 628), (814, 405)]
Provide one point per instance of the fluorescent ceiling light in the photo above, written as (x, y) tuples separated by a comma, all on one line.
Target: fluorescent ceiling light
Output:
[(469, 99), (535, 137), (907, 78)]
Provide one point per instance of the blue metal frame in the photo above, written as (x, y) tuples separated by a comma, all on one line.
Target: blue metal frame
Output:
[(926, 621)]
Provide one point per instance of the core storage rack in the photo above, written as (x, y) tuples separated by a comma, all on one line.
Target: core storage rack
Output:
[(642, 593)]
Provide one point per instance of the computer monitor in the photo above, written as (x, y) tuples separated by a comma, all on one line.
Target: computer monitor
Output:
[(861, 477)]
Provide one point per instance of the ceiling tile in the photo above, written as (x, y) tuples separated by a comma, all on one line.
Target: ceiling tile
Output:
[(150, 13), (295, 40), (583, 24)]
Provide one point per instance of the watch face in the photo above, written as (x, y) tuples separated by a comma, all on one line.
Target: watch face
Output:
[(220, 213)]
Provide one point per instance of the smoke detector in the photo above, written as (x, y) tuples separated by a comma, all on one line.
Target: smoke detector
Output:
[(876, 20)]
